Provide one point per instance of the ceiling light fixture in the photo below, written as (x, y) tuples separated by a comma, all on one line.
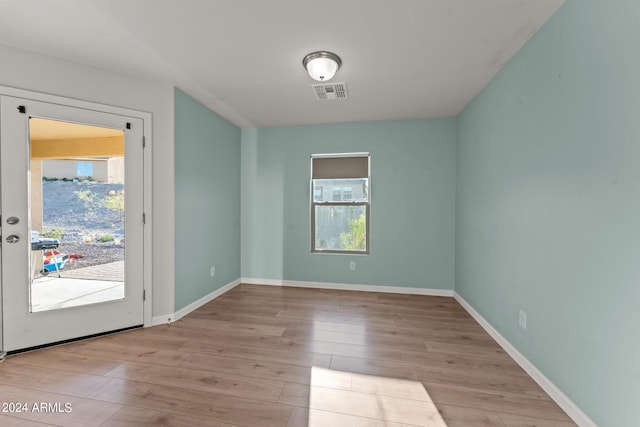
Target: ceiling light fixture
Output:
[(321, 65)]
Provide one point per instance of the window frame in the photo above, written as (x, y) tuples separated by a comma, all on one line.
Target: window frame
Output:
[(366, 204)]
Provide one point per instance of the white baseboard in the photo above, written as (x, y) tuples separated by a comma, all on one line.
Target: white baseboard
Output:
[(162, 319), (549, 387), (268, 282), (172, 317), (349, 287)]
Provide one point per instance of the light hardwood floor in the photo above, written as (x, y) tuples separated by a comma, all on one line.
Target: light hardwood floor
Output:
[(265, 356)]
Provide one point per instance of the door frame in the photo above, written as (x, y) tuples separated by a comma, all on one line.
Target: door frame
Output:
[(147, 251)]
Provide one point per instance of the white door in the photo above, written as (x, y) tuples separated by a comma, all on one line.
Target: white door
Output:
[(61, 282)]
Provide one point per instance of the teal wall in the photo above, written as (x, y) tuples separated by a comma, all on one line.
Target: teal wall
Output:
[(412, 203), (207, 228), (548, 205)]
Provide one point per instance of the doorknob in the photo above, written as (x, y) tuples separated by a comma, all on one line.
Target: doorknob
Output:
[(12, 220), (13, 239)]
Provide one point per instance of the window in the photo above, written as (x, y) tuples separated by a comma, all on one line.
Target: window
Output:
[(340, 203), (84, 169), (347, 193)]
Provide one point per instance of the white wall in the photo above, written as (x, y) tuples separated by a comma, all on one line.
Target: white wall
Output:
[(67, 169), (44, 74), (115, 170)]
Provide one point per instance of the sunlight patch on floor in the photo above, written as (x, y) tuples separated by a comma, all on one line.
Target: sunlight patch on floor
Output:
[(339, 398)]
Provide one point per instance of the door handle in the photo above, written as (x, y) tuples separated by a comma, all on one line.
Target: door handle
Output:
[(12, 220), (13, 239)]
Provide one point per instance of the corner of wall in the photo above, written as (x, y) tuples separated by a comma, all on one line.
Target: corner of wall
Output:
[(208, 201)]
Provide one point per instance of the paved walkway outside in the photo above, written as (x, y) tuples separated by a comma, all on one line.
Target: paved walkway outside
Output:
[(113, 271), (87, 285)]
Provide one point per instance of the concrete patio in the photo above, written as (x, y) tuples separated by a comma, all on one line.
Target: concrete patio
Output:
[(89, 285)]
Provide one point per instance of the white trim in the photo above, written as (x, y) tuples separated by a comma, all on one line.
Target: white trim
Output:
[(205, 299), (172, 317), (147, 256), (549, 387), (162, 319), (339, 155), (349, 287), (73, 102), (266, 282)]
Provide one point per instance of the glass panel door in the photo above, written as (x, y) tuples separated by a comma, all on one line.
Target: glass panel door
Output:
[(66, 219)]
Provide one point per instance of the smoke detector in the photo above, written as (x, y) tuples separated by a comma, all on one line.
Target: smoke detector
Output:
[(330, 91)]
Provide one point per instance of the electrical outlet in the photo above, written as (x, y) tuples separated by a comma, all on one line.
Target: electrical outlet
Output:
[(352, 265), (213, 271), (522, 319)]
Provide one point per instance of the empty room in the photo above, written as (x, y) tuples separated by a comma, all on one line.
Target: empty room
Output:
[(289, 213)]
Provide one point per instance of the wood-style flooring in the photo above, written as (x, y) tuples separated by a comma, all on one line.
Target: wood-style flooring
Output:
[(264, 356)]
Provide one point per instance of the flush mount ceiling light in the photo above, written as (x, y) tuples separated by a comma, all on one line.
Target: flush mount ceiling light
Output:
[(321, 65)]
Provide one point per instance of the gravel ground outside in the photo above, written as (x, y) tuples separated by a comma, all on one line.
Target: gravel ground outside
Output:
[(82, 224)]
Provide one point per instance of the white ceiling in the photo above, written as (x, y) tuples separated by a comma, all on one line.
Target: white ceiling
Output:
[(243, 58)]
